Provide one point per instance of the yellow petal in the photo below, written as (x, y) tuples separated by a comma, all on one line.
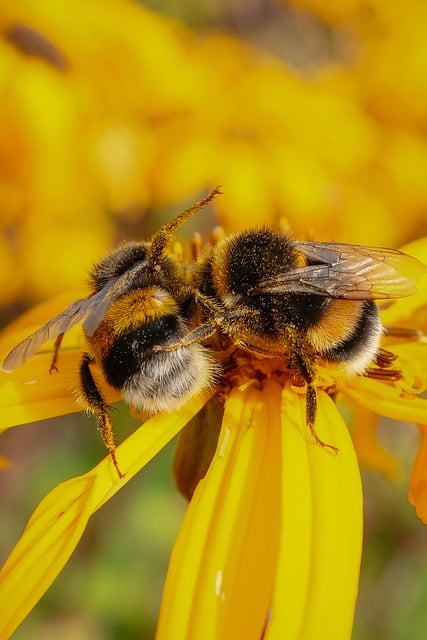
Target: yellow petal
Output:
[(59, 521), (227, 577), (31, 393), (49, 539), (387, 400), (321, 534), (220, 579), (412, 362)]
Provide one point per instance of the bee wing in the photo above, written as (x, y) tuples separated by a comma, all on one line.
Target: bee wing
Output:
[(110, 293), (91, 309), (59, 324), (352, 272)]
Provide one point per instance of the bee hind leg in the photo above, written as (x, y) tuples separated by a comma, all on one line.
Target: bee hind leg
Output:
[(311, 401), (94, 403), (310, 417)]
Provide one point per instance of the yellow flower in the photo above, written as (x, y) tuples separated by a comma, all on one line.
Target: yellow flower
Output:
[(271, 541), (269, 487)]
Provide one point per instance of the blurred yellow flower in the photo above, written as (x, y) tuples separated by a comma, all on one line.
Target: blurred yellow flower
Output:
[(96, 124)]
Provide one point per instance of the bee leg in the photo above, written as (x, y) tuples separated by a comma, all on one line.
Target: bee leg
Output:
[(211, 305), (56, 347), (202, 332), (205, 330), (310, 417), (311, 402), (259, 351), (95, 404)]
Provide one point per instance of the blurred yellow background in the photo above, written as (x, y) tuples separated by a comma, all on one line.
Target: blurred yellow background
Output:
[(111, 112)]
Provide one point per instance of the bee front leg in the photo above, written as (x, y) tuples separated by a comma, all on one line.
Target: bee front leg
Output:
[(202, 332), (94, 403)]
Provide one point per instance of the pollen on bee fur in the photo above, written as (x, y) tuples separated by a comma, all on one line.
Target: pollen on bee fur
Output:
[(255, 305)]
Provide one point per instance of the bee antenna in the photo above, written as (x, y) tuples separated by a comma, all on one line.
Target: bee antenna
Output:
[(162, 237)]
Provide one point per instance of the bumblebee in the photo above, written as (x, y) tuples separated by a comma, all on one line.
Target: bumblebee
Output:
[(307, 303), (140, 298)]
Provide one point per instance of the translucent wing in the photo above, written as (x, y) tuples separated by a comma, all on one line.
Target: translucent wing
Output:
[(113, 290), (348, 271), (59, 324), (90, 310)]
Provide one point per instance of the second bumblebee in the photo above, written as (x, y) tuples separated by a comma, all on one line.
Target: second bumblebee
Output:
[(307, 303)]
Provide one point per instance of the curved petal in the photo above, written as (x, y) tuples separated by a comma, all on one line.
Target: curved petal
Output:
[(52, 532), (387, 400), (412, 361), (221, 574), (58, 523), (272, 538), (321, 534)]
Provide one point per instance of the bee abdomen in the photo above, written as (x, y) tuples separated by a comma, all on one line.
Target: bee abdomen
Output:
[(154, 380), (131, 350), (361, 344), (168, 380)]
